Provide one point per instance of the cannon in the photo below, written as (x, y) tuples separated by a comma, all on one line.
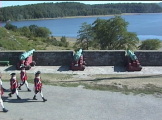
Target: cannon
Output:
[(133, 63), (26, 59), (78, 62)]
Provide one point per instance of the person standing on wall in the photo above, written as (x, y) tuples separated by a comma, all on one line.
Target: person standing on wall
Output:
[(14, 86), (23, 77), (38, 86)]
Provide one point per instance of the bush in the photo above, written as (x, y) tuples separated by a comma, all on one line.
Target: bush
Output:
[(39, 31), (150, 44), (64, 42), (9, 26)]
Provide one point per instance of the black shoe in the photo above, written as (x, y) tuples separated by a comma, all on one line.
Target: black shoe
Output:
[(29, 90), (18, 98), (9, 95), (5, 110), (44, 100), (19, 88), (34, 98)]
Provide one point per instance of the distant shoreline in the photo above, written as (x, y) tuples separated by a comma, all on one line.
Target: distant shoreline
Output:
[(87, 16)]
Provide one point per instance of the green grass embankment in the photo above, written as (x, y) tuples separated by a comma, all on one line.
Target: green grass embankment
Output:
[(136, 84)]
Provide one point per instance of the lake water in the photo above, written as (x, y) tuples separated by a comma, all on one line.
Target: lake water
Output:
[(146, 26)]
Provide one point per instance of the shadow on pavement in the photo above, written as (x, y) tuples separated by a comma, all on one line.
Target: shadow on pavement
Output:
[(4, 98), (7, 90), (20, 101), (11, 68), (63, 68), (119, 69), (24, 91)]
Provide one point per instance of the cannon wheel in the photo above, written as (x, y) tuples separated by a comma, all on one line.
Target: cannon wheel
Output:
[(18, 66), (28, 67), (33, 63)]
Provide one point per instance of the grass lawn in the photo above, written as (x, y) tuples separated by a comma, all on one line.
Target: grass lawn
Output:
[(137, 84)]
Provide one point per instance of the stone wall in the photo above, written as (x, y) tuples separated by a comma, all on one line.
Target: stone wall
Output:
[(12, 56), (92, 57), (117, 57), (104, 57), (149, 57), (53, 58)]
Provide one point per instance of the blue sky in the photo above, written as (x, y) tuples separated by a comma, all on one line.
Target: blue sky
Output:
[(14, 3)]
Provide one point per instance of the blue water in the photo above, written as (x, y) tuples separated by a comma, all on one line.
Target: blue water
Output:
[(146, 26)]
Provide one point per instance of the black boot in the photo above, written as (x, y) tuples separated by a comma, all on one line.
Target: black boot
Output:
[(19, 88), (9, 95), (44, 100), (34, 98), (18, 98), (5, 110), (29, 90)]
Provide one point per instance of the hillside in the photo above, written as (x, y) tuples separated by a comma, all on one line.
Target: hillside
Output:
[(10, 40), (64, 9)]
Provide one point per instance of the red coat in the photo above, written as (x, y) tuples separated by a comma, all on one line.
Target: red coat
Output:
[(23, 75), (37, 83), (13, 83)]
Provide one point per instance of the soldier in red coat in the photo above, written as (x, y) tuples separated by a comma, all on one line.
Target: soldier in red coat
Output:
[(23, 77), (1, 101), (38, 86), (14, 85)]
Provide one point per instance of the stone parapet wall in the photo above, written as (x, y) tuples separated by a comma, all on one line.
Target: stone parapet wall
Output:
[(92, 57), (149, 57), (11, 55), (104, 57), (117, 57), (53, 58)]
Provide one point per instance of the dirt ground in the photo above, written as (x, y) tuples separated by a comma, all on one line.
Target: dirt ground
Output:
[(102, 78)]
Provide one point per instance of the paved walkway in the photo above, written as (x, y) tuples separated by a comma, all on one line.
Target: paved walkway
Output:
[(80, 104), (88, 70)]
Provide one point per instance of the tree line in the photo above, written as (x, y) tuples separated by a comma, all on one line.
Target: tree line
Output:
[(54, 10), (102, 34), (112, 34)]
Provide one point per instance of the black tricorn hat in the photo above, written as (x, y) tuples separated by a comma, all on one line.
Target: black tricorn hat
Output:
[(13, 74), (38, 72)]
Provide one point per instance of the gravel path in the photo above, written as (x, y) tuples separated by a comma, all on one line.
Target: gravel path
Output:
[(88, 70), (80, 104)]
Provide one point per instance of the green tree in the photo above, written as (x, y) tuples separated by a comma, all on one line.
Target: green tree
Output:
[(150, 44), (33, 29), (25, 31), (42, 32), (39, 31), (51, 10), (85, 36), (64, 41), (9, 26), (112, 34)]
